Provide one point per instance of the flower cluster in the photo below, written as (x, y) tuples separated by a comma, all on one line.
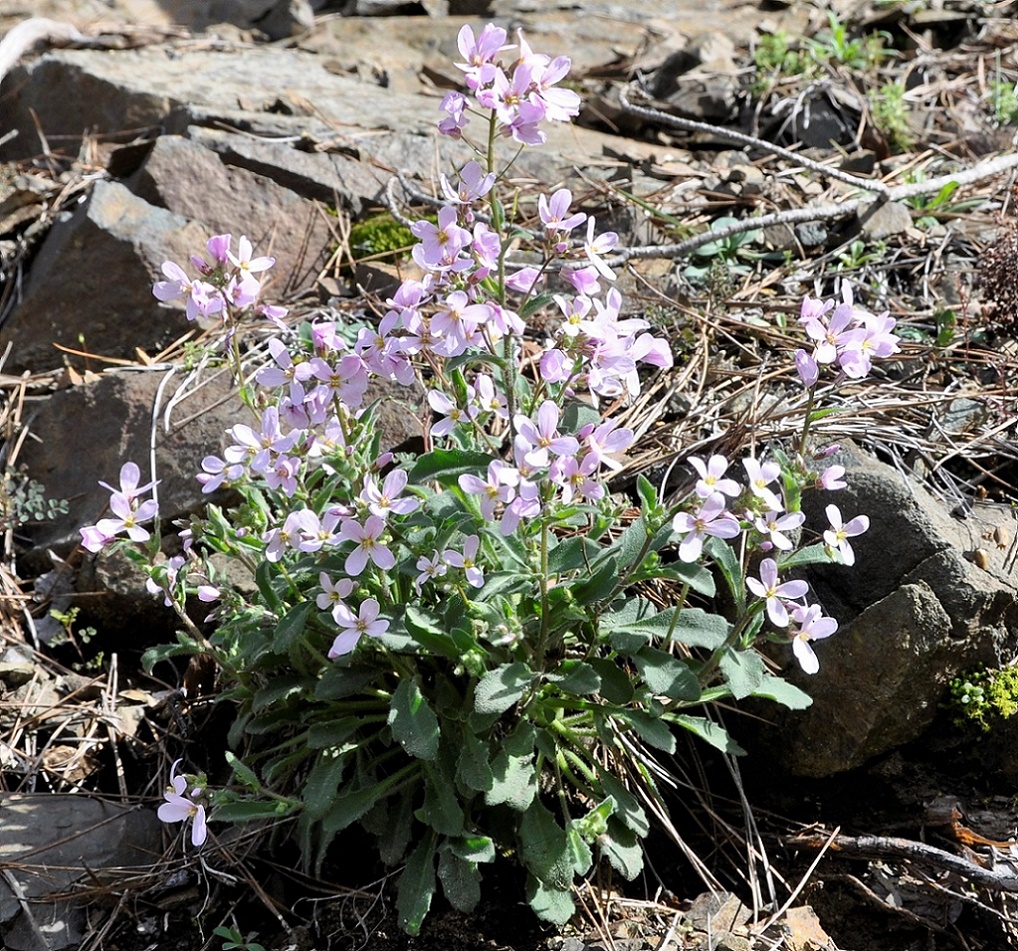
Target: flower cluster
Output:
[(759, 512), (521, 96), (844, 336), (227, 283), (129, 512)]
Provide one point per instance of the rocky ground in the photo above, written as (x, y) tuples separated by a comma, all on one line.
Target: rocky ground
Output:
[(137, 128)]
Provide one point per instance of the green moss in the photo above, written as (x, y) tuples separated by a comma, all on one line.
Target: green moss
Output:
[(380, 236), (985, 697)]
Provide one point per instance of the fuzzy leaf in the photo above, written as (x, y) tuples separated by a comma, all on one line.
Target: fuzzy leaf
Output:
[(781, 691), (473, 769), (445, 466), (544, 847), (499, 689), (652, 730), (461, 879), (627, 806), (709, 732), (320, 788), (575, 677), (413, 722), (743, 671), (291, 626), (515, 782), (441, 810), (622, 849), (668, 675), (550, 904), (416, 886)]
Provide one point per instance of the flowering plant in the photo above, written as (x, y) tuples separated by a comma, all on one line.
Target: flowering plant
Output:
[(459, 649)]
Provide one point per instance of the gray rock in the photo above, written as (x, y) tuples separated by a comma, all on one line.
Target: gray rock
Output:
[(914, 611), (90, 287), (50, 842), (883, 220), (230, 199)]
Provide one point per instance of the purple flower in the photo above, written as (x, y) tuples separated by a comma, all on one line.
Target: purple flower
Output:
[(367, 544), (498, 488), (543, 435), (812, 626), (712, 519), (775, 594), (761, 475), (773, 525), (430, 568), (181, 806), (474, 572), (382, 501), (332, 592), (355, 626), (837, 536), (711, 480), (441, 403), (594, 248), (807, 368), (245, 262), (832, 478), (554, 212)]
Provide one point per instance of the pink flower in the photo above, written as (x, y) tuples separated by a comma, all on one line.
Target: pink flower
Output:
[(543, 435), (430, 568), (554, 212), (837, 536), (773, 526), (474, 572), (245, 262), (365, 537), (332, 592), (807, 368), (180, 806), (355, 626), (832, 478), (812, 627), (775, 594), (594, 248), (711, 480), (712, 519), (498, 488), (761, 475), (382, 501)]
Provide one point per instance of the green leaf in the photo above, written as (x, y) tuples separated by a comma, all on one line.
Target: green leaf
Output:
[(332, 733), (244, 773), (502, 687), (548, 903), (627, 806), (473, 848), (622, 849), (576, 414), (571, 555), (264, 576), (699, 628), (544, 847), (347, 808), (445, 466), (725, 558), (599, 585), (320, 788), (416, 886), (668, 675), (155, 655), (810, 555), (461, 879), (781, 691), (249, 811), (743, 671), (649, 501), (473, 769), (414, 724), (575, 677), (515, 779), (291, 626), (428, 629), (580, 856), (652, 730), (710, 732), (441, 810), (281, 689), (393, 842), (337, 683), (616, 686), (696, 576)]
